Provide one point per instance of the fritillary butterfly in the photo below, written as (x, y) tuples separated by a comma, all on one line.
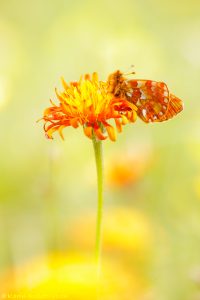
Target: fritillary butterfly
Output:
[(154, 101)]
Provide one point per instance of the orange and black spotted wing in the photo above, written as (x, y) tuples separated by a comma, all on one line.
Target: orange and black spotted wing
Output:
[(153, 100)]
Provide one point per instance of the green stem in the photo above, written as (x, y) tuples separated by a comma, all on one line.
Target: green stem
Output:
[(99, 167)]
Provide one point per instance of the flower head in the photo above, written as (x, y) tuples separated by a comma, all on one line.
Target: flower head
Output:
[(88, 103)]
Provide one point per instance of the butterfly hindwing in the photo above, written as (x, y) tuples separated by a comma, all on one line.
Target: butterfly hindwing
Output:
[(153, 100)]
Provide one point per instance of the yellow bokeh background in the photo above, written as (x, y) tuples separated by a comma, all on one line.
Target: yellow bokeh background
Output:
[(48, 188)]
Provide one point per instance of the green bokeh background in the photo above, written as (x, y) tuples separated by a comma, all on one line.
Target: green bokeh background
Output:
[(44, 184)]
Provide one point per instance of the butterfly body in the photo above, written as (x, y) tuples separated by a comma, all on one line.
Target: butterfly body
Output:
[(152, 98)]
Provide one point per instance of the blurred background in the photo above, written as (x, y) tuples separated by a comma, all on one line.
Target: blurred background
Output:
[(152, 173)]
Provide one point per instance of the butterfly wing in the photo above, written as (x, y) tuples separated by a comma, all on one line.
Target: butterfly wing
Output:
[(153, 100)]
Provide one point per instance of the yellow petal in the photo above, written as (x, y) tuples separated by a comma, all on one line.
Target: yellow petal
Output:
[(111, 133), (60, 131), (50, 132), (124, 120), (64, 84), (58, 95), (133, 116), (95, 77)]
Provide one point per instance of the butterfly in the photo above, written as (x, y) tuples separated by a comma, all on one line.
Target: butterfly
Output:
[(153, 100)]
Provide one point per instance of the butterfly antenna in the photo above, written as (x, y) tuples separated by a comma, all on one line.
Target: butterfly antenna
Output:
[(130, 70)]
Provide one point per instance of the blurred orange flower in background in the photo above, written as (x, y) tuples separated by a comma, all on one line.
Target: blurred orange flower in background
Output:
[(88, 103), (128, 166)]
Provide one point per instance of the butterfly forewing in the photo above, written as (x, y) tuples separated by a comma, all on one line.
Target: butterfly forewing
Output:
[(153, 100)]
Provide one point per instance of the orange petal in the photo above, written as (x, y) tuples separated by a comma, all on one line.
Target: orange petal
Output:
[(74, 123), (133, 116), (51, 131), (39, 120), (132, 106), (111, 133), (88, 131), (52, 103), (99, 134), (118, 125), (87, 76), (74, 83), (60, 131)]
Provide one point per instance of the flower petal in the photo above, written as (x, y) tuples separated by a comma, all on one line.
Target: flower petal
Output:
[(118, 125), (124, 120), (60, 131), (133, 116), (111, 133), (64, 84), (88, 131), (50, 131), (95, 77), (74, 122), (99, 133)]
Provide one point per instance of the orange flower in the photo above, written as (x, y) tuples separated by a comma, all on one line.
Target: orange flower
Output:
[(126, 168), (124, 171), (88, 103)]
